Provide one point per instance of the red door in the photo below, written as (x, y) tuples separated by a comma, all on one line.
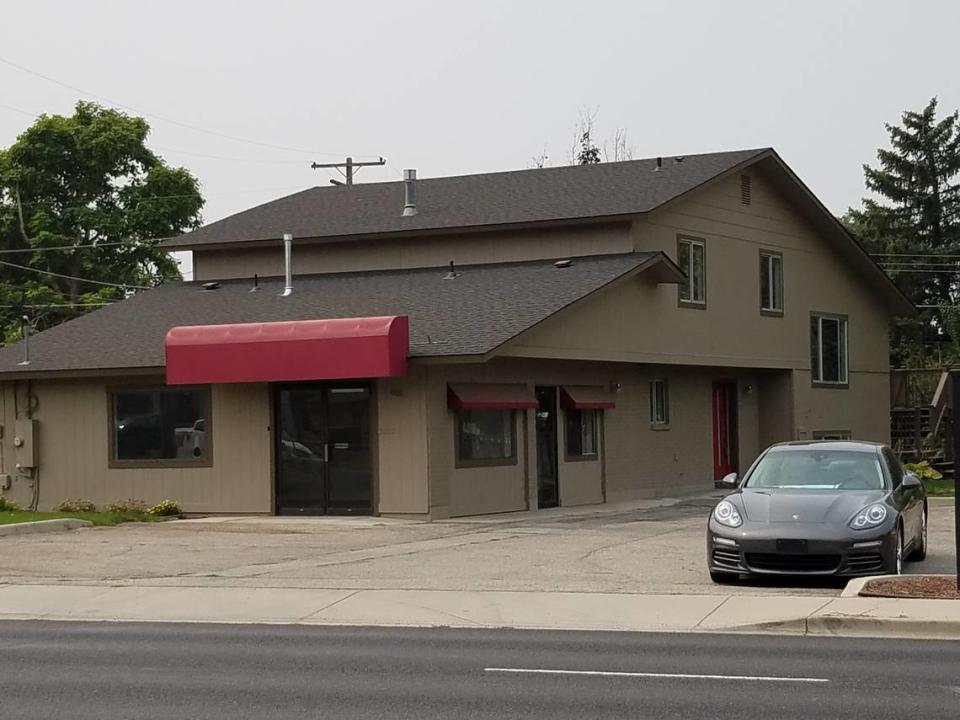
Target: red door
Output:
[(725, 448)]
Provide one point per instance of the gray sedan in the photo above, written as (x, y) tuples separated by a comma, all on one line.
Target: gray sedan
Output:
[(819, 508)]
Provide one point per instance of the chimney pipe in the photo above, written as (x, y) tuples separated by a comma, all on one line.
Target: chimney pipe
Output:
[(409, 192), (25, 334), (288, 264)]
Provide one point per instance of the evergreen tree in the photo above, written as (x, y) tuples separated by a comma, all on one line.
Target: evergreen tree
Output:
[(913, 224)]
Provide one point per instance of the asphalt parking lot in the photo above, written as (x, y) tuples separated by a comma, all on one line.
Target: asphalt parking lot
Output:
[(637, 549)]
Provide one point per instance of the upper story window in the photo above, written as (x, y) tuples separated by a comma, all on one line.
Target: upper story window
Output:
[(160, 426), (828, 349), (771, 283), (692, 259)]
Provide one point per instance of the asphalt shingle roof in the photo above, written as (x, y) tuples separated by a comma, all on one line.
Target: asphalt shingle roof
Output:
[(472, 314), (521, 196)]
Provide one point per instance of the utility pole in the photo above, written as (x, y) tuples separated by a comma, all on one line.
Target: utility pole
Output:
[(348, 166)]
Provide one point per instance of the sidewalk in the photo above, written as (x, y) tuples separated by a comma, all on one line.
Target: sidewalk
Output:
[(465, 609)]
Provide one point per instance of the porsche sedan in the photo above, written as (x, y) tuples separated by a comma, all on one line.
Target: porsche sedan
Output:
[(819, 508)]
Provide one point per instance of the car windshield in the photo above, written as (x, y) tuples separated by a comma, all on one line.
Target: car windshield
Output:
[(812, 469)]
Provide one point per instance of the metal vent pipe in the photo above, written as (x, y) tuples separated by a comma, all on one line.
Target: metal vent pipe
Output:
[(409, 192), (287, 264)]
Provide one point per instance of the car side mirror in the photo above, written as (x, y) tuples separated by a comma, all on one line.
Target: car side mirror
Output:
[(731, 480), (911, 482)]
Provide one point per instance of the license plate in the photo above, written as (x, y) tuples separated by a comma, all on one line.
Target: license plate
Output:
[(792, 547)]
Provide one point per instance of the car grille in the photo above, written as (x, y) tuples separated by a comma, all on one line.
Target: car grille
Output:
[(865, 562), (726, 557), (793, 563)]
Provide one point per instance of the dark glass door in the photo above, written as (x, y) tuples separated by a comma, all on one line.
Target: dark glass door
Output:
[(323, 450), (348, 456), (548, 488)]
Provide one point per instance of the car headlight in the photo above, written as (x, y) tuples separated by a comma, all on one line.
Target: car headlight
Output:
[(869, 517), (726, 514)]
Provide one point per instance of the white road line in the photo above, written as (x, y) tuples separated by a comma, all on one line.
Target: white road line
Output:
[(675, 676)]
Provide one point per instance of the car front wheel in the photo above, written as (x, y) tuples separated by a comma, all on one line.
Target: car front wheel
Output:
[(893, 564), (921, 552)]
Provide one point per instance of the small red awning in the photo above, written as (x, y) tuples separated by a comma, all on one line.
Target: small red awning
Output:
[(586, 397), (288, 351), (488, 396)]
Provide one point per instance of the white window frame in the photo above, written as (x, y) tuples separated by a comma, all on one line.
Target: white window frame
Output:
[(691, 243), (843, 362), (775, 282), (659, 420)]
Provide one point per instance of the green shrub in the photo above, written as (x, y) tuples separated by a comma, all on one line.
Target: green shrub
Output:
[(165, 508), (77, 505), (923, 471), (8, 505), (130, 505)]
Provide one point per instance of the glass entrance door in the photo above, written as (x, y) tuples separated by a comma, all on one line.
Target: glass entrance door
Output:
[(323, 462), (548, 489)]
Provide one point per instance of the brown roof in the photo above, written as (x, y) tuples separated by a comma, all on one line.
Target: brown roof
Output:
[(485, 306), (472, 201)]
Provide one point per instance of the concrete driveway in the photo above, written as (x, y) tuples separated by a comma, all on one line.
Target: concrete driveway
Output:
[(638, 548)]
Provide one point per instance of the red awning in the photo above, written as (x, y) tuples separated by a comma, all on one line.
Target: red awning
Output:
[(586, 397), (486, 396), (296, 350)]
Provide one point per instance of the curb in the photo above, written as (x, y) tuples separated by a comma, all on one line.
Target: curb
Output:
[(44, 526), (857, 626)]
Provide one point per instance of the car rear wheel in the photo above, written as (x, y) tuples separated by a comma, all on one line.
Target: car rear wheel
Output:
[(921, 551), (893, 565), (723, 578)]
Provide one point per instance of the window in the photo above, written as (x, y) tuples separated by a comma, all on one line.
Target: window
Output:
[(160, 426), (691, 257), (581, 428), (659, 403), (897, 470), (485, 437), (771, 283), (828, 349), (831, 435)]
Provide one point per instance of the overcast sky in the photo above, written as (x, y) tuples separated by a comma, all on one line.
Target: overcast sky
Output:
[(457, 87)]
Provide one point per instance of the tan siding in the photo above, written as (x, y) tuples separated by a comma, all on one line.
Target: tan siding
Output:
[(435, 251), (402, 444), (639, 321), (863, 409), (73, 429)]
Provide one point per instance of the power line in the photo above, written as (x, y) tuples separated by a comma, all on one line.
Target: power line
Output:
[(188, 126), (184, 152), (57, 305), (122, 286), (11, 251)]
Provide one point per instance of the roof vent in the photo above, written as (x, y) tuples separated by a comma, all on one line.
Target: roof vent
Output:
[(659, 166), (409, 192), (256, 283), (679, 159), (563, 263), (211, 286), (452, 274), (745, 190)]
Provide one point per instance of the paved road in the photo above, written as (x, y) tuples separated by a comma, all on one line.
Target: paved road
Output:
[(97, 671)]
